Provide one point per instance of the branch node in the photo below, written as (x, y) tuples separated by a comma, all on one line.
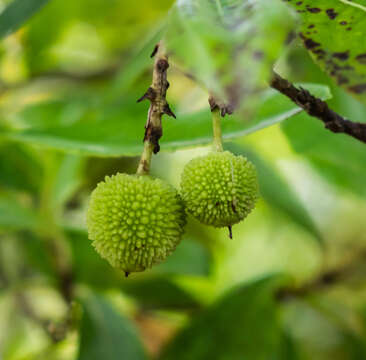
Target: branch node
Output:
[(168, 111), (149, 95), (162, 65)]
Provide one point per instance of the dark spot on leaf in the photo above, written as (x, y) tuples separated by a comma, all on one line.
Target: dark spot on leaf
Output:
[(341, 80), (343, 22), (217, 203), (342, 68), (341, 55), (319, 51), (299, 3), (314, 10), (358, 89), (309, 43), (311, 26), (361, 58), (258, 55), (331, 14), (349, 29)]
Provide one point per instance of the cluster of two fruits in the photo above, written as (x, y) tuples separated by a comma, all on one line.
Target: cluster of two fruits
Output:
[(136, 221)]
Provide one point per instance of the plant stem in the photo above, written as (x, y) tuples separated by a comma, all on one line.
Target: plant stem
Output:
[(216, 125), (145, 160), (156, 94)]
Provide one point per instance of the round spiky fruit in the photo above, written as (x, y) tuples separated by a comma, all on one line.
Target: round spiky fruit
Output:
[(219, 189), (135, 221)]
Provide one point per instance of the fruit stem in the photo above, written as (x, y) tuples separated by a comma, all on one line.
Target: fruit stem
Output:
[(156, 94), (145, 160), (216, 125)]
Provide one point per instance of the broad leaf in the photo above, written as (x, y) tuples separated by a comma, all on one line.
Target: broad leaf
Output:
[(89, 268), (138, 61), (241, 325), (277, 192), (106, 334), (334, 33), (37, 255), (17, 13), (19, 168), (190, 258), (288, 349), (228, 46), (68, 178), (81, 26), (15, 215), (118, 130), (339, 158), (159, 293)]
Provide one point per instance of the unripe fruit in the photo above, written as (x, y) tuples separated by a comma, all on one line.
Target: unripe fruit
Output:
[(135, 221), (219, 189)]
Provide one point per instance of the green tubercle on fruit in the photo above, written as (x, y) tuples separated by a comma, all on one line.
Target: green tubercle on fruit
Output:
[(135, 221), (219, 189)]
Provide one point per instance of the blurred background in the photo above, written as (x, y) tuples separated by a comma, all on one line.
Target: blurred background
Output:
[(289, 285)]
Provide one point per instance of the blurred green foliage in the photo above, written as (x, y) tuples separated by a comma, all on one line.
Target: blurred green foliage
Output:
[(70, 75)]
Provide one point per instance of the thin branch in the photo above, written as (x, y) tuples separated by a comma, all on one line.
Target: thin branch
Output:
[(156, 94), (325, 280), (318, 108)]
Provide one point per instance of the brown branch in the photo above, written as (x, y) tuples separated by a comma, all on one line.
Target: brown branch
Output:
[(156, 94), (318, 108), (325, 280)]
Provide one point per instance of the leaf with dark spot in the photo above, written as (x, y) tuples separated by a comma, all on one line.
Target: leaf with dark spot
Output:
[(338, 47)]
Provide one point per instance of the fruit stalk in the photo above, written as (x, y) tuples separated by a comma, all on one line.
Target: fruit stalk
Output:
[(156, 94), (216, 125)]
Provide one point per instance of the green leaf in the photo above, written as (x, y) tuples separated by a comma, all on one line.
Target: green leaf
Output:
[(276, 192), (159, 293), (19, 168), (234, 43), (68, 178), (118, 130), (190, 258), (89, 268), (334, 33), (136, 64), (288, 349), (241, 325), (15, 215), (37, 255), (17, 13), (339, 158), (354, 345), (106, 334)]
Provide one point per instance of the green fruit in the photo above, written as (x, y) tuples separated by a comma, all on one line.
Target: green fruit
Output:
[(135, 221), (219, 189)]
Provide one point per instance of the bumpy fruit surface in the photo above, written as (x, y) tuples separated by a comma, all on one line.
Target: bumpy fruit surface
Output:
[(135, 221), (219, 189)]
